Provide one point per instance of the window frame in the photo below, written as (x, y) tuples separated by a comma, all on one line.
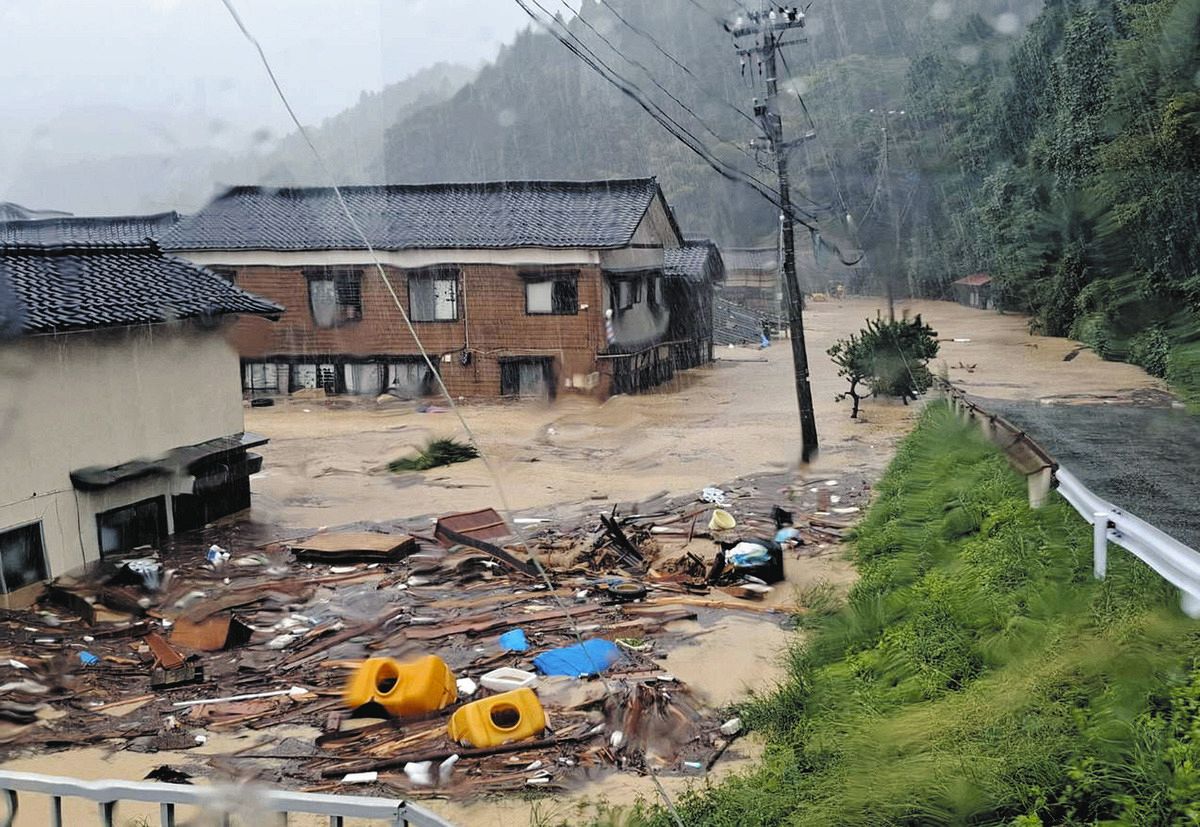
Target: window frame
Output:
[(653, 292), (344, 312), (635, 292), (555, 276), (39, 531), (162, 526), (435, 274)]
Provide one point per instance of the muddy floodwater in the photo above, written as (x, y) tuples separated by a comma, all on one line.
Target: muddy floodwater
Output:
[(325, 466)]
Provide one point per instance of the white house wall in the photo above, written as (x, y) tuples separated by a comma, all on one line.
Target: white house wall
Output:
[(102, 399), (656, 227), (641, 324)]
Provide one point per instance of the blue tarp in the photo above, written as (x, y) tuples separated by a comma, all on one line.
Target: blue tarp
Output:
[(514, 641), (588, 658)]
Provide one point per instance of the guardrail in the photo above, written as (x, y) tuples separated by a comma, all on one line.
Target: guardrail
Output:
[(1174, 561), (225, 801)]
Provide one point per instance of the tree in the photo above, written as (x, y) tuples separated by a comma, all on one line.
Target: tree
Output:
[(887, 357), (853, 357)]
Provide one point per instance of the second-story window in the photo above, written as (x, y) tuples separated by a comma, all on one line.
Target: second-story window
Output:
[(551, 293), (433, 295), (335, 296), (626, 293)]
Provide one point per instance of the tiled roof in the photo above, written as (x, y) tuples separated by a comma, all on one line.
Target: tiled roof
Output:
[(11, 211), (504, 214), (86, 231), (53, 287), (695, 261), (751, 258), (975, 280)]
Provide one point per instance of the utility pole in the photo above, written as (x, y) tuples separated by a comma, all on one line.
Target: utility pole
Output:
[(769, 28), (890, 267), (890, 276)]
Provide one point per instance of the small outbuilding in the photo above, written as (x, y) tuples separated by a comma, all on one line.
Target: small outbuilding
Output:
[(974, 290)]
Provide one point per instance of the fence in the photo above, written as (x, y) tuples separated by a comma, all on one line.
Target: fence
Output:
[(1175, 562), (220, 800)]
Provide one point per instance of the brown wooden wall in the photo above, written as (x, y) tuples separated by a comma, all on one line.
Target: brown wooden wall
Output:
[(495, 325)]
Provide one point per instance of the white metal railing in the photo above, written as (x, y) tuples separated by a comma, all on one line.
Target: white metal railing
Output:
[(226, 801), (1175, 562)]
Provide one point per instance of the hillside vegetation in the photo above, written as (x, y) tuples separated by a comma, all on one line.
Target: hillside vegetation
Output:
[(1069, 169), (977, 674), (539, 112)]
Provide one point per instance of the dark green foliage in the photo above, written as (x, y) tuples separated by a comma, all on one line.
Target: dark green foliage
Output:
[(436, 452), (977, 674), (888, 358), (1152, 350), (1076, 160)]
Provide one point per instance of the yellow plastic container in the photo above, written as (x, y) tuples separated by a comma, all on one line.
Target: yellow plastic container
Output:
[(500, 719), (721, 520), (424, 685)]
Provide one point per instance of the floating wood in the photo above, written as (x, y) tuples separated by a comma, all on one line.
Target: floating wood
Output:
[(485, 524), (222, 631), (480, 624), (164, 654), (623, 544), (354, 547), (167, 678), (442, 754), (473, 529)]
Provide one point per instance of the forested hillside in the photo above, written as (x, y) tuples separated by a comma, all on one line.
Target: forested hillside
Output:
[(351, 142), (1070, 169), (539, 111)]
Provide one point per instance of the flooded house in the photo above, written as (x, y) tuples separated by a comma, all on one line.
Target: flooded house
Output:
[(120, 409), (514, 288)]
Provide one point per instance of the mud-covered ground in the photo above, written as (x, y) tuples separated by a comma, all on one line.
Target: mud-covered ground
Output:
[(325, 462), (325, 466)]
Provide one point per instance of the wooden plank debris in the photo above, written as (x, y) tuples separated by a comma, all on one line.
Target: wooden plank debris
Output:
[(344, 547)]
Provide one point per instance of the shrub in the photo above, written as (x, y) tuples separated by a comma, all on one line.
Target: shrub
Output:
[(888, 358), (436, 452)]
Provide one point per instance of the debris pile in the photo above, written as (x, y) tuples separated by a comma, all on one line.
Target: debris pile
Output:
[(448, 662)]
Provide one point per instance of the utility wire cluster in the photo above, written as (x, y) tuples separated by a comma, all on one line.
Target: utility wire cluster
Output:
[(573, 43)]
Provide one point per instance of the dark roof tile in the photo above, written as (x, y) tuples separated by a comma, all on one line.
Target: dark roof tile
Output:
[(751, 258), (503, 214), (698, 259), (53, 287), (80, 231)]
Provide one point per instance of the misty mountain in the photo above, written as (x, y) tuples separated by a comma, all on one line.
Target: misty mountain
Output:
[(351, 142), (539, 112), (111, 160)]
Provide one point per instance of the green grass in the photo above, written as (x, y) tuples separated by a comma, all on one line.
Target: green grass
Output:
[(977, 673), (435, 453)]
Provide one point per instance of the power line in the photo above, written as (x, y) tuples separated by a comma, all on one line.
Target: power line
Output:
[(680, 132), (837, 187), (645, 70), (654, 42), (725, 170)]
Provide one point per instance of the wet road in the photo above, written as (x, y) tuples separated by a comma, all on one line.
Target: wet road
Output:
[(1144, 459)]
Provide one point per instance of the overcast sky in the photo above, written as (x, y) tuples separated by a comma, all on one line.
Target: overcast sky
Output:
[(61, 60)]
